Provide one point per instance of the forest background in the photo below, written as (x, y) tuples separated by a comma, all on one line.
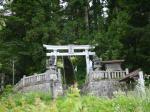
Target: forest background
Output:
[(120, 29)]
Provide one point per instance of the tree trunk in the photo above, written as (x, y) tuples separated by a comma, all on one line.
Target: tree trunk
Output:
[(86, 14), (69, 71), (95, 13)]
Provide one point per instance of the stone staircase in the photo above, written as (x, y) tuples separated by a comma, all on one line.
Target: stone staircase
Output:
[(49, 81)]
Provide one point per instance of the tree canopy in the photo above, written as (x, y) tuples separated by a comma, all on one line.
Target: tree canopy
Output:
[(119, 30)]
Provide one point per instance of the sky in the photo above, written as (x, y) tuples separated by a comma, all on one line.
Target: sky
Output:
[(105, 9), (1, 1), (64, 4)]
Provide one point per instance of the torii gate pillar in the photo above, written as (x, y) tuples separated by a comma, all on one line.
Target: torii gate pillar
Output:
[(87, 62)]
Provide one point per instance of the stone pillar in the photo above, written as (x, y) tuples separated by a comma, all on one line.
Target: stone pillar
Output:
[(59, 75), (141, 82), (23, 80), (55, 52), (47, 63), (53, 89), (127, 71), (87, 62)]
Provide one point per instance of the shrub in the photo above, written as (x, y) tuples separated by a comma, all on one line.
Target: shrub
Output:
[(74, 102)]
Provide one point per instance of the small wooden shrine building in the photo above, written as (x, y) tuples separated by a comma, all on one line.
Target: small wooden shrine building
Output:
[(112, 65)]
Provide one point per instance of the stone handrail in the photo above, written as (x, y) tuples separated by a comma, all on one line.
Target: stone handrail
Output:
[(107, 75), (37, 79)]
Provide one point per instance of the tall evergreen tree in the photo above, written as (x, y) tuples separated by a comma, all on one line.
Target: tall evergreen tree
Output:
[(121, 32), (30, 24)]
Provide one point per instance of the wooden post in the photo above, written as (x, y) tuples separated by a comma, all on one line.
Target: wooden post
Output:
[(13, 69), (2, 81)]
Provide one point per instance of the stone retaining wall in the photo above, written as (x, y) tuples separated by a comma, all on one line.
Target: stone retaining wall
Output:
[(103, 87), (47, 87), (49, 81)]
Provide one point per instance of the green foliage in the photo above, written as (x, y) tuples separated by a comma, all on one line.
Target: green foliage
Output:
[(120, 32), (8, 90), (109, 43), (81, 70), (73, 102)]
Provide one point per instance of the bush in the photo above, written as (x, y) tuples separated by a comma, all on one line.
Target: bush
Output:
[(8, 90), (74, 102)]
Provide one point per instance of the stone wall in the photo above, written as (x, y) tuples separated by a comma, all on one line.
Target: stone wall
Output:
[(104, 83), (49, 81), (103, 87), (48, 87)]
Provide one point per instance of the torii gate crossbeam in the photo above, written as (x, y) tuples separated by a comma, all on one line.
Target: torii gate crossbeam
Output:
[(58, 50)]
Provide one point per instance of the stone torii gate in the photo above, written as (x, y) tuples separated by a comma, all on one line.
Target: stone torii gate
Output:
[(71, 50)]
